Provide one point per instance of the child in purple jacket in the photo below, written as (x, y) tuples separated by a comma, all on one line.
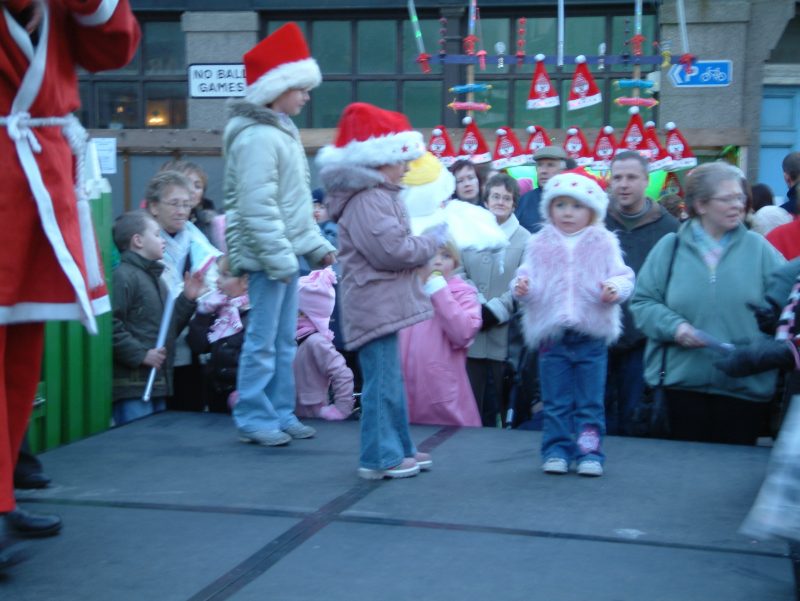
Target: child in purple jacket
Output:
[(318, 366)]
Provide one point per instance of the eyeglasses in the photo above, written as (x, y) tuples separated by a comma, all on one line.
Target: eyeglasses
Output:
[(501, 197), (732, 199), (177, 205)]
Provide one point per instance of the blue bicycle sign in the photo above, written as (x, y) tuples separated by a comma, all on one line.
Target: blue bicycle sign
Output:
[(702, 74)]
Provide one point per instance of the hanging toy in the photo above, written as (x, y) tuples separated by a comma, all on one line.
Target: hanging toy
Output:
[(687, 59), (520, 54), (471, 39), (666, 53), (481, 54), (542, 93), (500, 49), (601, 56), (636, 101), (634, 83), (583, 91), (469, 88), (422, 56), (481, 107), (442, 38)]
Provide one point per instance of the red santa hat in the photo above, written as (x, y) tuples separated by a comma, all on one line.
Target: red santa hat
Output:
[(441, 146), (542, 94), (633, 138), (659, 157), (583, 90), (679, 149), (508, 152), (473, 146), (370, 136), (605, 147), (279, 62), (576, 146), (538, 139)]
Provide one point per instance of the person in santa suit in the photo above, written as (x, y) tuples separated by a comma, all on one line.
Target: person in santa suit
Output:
[(49, 266)]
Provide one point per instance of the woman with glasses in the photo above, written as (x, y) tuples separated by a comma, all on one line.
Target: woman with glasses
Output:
[(691, 301), (487, 356), (169, 201)]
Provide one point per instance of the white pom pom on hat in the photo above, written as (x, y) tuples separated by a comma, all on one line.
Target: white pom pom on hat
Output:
[(670, 126), (539, 57), (466, 120), (634, 110), (608, 129), (580, 59)]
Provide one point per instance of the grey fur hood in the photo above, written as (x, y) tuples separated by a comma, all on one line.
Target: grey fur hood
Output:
[(241, 114), (342, 182)]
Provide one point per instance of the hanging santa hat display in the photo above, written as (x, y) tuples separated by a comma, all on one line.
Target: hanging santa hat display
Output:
[(576, 147), (605, 147), (659, 157), (542, 94), (633, 137), (441, 147), (672, 185), (583, 90), (473, 146), (508, 152), (538, 139), (678, 149)]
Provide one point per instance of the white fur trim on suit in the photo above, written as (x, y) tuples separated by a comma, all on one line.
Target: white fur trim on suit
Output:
[(101, 14), (300, 75), (374, 152)]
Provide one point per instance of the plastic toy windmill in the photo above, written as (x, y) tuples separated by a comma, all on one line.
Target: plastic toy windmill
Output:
[(471, 39), (687, 58), (422, 56), (636, 83)]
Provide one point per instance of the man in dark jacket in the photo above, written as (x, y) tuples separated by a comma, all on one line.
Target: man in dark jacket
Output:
[(639, 223), (550, 161), (791, 175)]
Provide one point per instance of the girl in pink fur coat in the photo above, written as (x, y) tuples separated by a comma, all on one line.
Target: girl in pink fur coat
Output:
[(433, 352), (571, 284)]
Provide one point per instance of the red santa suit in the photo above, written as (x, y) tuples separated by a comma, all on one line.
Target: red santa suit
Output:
[(48, 264)]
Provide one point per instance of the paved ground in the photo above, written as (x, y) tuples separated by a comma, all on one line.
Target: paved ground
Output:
[(174, 508)]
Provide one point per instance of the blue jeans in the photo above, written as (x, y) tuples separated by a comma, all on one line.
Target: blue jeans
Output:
[(266, 380), (625, 389), (128, 410), (572, 371), (385, 438)]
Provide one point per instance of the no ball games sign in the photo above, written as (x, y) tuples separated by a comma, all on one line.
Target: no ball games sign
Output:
[(221, 80)]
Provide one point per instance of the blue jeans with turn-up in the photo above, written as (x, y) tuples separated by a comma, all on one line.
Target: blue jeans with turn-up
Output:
[(266, 380), (572, 371), (385, 437)]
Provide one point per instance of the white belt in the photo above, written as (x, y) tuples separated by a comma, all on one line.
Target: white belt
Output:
[(19, 127)]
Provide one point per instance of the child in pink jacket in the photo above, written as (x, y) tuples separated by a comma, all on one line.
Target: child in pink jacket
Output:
[(318, 366), (571, 284), (434, 352)]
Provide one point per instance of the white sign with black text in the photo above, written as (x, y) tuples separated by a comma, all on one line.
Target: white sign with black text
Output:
[(221, 80)]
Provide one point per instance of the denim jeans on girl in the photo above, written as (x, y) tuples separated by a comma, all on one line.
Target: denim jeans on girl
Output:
[(385, 438), (266, 380), (572, 371)]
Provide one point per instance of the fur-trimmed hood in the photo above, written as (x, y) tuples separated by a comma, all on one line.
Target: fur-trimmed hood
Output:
[(342, 182), (241, 114)]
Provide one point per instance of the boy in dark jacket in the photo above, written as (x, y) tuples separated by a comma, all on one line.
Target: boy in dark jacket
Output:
[(139, 297)]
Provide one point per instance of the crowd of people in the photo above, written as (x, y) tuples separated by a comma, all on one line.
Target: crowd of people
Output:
[(282, 303)]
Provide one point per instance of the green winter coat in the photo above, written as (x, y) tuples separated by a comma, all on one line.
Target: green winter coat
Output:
[(714, 303)]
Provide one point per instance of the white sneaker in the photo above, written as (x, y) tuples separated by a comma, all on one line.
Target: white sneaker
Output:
[(590, 467), (555, 465), (407, 468), (267, 438)]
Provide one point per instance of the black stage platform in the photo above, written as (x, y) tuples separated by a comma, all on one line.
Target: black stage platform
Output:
[(174, 508)]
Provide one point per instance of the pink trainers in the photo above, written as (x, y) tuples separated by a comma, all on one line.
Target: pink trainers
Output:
[(406, 469), (424, 461), (331, 413)]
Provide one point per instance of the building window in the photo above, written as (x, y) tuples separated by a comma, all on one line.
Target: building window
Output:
[(373, 60), (148, 93)]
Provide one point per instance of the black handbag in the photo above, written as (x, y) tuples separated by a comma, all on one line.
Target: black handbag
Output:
[(651, 416)]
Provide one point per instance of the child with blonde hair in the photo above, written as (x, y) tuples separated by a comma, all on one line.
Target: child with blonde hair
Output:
[(571, 284)]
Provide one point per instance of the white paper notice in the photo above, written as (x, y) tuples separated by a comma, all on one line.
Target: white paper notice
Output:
[(107, 154)]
